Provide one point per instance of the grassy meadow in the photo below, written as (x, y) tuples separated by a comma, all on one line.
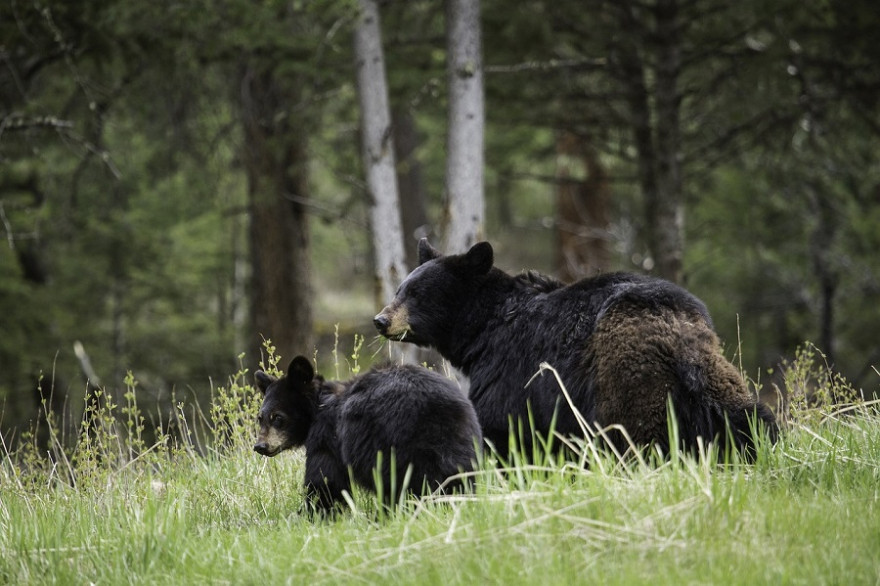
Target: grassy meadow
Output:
[(117, 509)]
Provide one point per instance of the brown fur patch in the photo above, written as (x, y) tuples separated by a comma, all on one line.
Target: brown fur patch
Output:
[(636, 352)]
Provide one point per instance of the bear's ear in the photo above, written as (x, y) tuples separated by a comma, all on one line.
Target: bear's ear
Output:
[(263, 380), (427, 252), (300, 371), (479, 258)]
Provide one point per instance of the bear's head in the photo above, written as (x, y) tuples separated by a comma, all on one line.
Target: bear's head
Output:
[(289, 407), (426, 307)]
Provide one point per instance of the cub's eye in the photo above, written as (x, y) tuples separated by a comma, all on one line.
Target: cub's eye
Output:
[(277, 419)]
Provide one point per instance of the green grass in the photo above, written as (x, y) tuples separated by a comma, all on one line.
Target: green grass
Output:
[(115, 511)]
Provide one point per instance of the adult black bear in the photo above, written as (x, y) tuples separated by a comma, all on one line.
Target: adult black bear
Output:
[(623, 344), (410, 415)]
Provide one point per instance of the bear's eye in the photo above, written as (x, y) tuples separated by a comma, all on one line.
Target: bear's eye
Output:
[(277, 419)]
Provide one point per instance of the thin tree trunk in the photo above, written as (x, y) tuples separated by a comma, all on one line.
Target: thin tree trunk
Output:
[(638, 101), (377, 152), (411, 184), (582, 210), (94, 396), (821, 249), (464, 164), (656, 133), (503, 188), (666, 210), (275, 158)]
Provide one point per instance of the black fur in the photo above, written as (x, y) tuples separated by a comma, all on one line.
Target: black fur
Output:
[(408, 413), (622, 343)]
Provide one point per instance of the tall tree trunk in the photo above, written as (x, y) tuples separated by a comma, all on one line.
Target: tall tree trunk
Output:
[(275, 158), (411, 184), (821, 250), (503, 188), (377, 152), (464, 164), (119, 290), (666, 209), (634, 76), (582, 210), (656, 131)]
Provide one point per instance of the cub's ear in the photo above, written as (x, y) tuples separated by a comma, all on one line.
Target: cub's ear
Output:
[(263, 380), (300, 371), (427, 252), (479, 258)]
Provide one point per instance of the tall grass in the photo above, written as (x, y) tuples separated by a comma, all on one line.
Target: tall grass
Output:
[(198, 506)]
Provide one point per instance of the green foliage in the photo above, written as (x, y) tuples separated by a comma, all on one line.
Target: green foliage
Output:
[(813, 391), (355, 365), (136, 207), (234, 409), (269, 363)]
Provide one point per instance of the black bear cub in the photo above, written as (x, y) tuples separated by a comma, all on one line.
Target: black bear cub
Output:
[(624, 345), (397, 419)]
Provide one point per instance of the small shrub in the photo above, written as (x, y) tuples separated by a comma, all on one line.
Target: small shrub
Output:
[(234, 407), (813, 391)]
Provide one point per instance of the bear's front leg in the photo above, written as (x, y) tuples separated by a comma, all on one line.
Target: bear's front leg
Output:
[(325, 480)]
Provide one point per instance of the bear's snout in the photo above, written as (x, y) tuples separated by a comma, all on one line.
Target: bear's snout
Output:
[(382, 323), (262, 448), (393, 322)]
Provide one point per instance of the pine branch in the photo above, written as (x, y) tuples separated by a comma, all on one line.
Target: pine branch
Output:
[(552, 64), (18, 122)]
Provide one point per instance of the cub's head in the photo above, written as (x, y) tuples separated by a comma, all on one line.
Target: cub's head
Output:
[(427, 304), (289, 406)]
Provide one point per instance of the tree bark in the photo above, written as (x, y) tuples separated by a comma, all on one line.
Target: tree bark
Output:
[(654, 112), (666, 209), (410, 183), (464, 164), (377, 152), (821, 250), (275, 158), (582, 210)]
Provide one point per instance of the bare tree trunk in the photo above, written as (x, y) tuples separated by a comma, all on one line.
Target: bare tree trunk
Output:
[(821, 250), (656, 133), (93, 389), (275, 160), (503, 188), (464, 164), (582, 210), (413, 212), (377, 152), (411, 184), (666, 209)]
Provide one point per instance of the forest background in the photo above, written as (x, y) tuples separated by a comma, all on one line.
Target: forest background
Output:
[(179, 180)]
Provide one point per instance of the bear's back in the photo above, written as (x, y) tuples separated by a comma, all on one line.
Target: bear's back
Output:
[(538, 322), (654, 295), (573, 310), (420, 415)]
